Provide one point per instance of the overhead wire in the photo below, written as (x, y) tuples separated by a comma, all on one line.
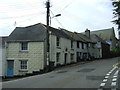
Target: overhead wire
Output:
[(23, 15)]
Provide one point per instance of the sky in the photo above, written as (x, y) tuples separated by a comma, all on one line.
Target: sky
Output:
[(76, 15)]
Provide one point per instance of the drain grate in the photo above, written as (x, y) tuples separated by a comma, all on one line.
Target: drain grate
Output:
[(86, 70), (95, 77), (62, 71)]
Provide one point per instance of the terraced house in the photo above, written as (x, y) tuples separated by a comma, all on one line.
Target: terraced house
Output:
[(26, 48)]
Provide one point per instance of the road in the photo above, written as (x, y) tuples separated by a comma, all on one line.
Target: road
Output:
[(96, 74)]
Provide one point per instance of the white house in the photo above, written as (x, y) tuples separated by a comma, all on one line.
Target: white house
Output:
[(62, 47)]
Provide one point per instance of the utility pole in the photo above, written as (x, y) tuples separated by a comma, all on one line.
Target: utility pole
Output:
[(47, 21)]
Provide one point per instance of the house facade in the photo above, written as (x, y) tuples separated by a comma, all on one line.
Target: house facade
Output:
[(62, 47), (25, 50), (2, 55)]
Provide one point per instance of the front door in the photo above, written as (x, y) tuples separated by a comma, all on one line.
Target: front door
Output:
[(10, 68), (65, 58)]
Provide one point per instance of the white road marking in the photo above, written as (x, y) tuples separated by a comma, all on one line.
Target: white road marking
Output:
[(106, 77), (108, 74), (102, 84), (114, 79), (105, 80), (115, 76), (113, 84)]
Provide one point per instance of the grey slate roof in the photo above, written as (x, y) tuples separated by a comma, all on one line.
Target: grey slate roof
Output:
[(73, 35), (105, 34), (60, 33), (95, 38), (85, 38), (35, 32), (31, 33)]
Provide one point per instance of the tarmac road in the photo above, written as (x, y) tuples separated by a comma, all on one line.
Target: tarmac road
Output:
[(89, 75)]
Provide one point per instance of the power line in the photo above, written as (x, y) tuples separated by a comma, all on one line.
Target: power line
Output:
[(23, 15), (67, 6)]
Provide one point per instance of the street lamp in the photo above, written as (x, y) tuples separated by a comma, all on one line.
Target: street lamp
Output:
[(54, 17)]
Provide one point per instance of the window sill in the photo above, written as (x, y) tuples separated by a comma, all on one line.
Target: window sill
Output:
[(58, 47), (23, 70), (26, 51)]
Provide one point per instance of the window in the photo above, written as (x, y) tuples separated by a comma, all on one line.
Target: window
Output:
[(24, 46), (87, 45), (23, 64), (82, 45), (58, 41), (92, 45), (77, 44), (71, 44), (72, 57), (57, 57)]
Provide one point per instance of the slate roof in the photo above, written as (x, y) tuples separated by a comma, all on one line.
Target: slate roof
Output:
[(85, 38), (30, 33), (105, 34), (59, 33), (35, 32), (95, 38), (73, 35)]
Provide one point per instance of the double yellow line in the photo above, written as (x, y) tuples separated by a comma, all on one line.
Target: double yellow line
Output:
[(116, 65)]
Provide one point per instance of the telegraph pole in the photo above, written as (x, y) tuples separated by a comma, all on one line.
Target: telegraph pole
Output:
[(47, 21)]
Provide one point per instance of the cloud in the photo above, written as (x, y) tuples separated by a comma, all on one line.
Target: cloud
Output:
[(75, 14)]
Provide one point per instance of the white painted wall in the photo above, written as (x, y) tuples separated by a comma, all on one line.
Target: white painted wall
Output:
[(0, 56), (64, 43), (35, 56)]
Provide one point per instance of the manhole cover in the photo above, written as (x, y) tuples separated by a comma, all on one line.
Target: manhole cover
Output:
[(95, 77), (61, 71), (86, 70)]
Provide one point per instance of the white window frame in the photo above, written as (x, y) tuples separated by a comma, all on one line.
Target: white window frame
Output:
[(57, 58), (72, 57), (24, 69), (21, 48)]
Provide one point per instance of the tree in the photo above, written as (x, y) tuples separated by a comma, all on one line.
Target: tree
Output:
[(116, 12)]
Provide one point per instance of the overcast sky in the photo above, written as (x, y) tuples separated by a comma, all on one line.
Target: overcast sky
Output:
[(76, 15)]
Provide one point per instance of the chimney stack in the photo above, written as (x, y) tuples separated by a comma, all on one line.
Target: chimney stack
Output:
[(87, 33)]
